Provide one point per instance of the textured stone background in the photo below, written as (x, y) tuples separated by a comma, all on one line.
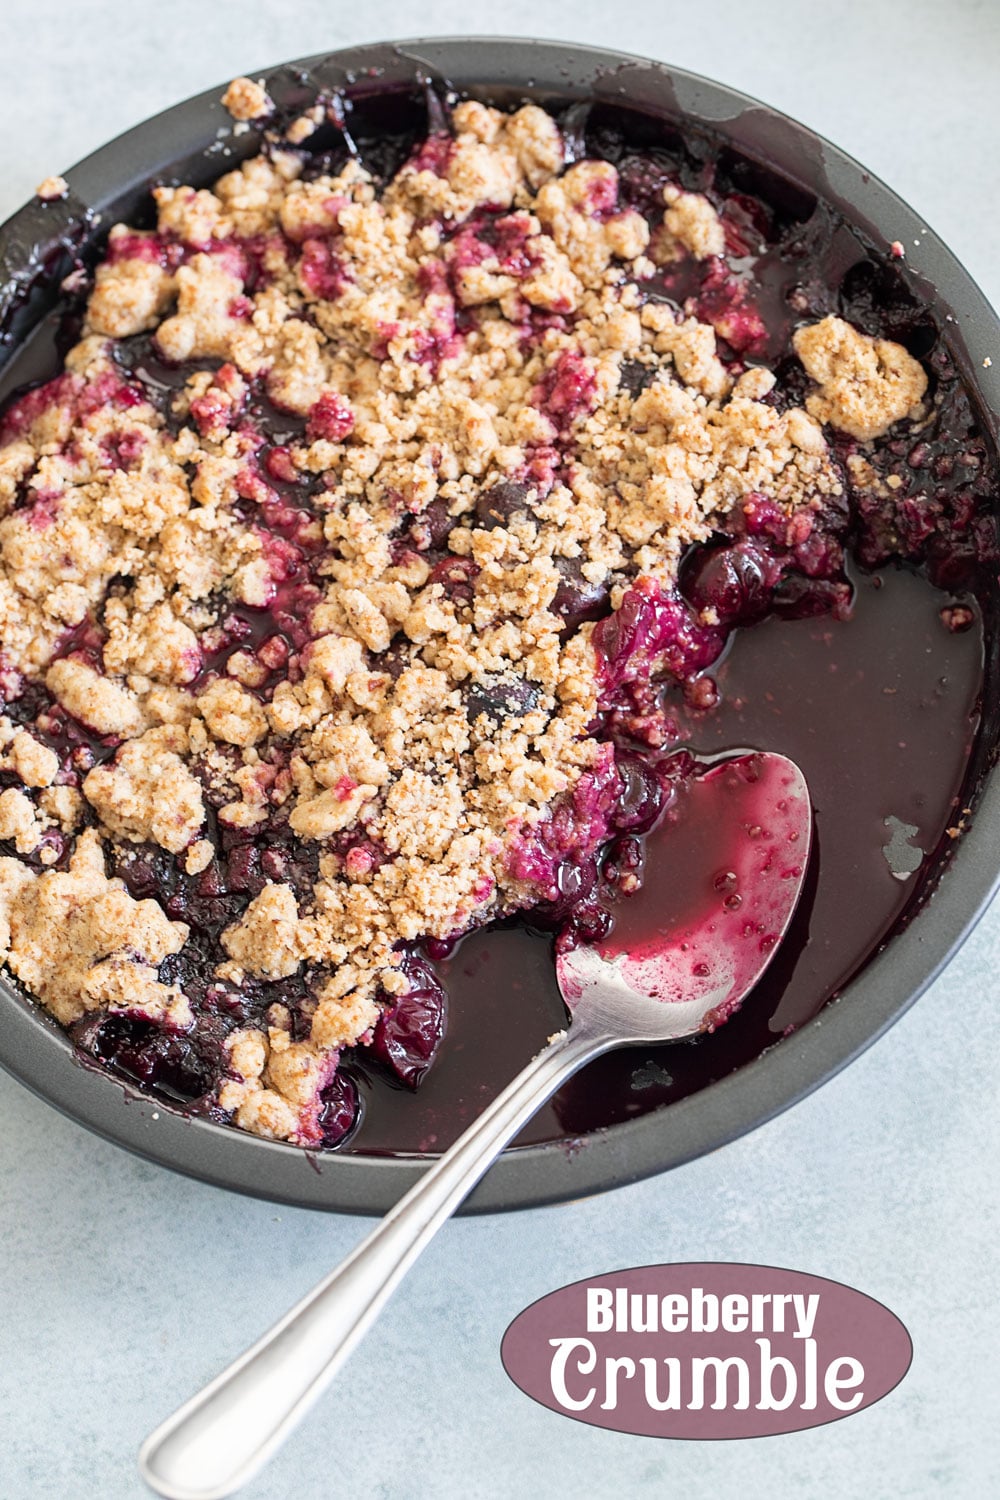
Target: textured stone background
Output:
[(124, 1288)]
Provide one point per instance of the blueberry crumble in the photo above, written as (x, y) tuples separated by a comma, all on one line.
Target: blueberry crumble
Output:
[(364, 568)]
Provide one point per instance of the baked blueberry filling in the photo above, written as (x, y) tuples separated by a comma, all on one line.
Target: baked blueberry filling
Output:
[(402, 532)]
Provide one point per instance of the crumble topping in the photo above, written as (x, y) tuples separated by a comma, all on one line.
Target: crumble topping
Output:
[(246, 100), (17, 821), (277, 1080), (690, 223), (265, 939), (865, 384), (129, 295), (32, 762), (370, 643), (80, 942), (147, 792), (50, 189)]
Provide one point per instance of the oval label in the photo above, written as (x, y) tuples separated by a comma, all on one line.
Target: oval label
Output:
[(706, 1350)]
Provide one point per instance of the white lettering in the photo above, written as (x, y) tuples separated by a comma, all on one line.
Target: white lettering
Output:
[(768, 1364), (834, 1383), (757, 1301), (674, 1313), (672, 1401), (704, 1311), (557, 1374), (643, 1312), (779, 1301), (611, 1369), (599, 1316), (735, 1313), (810, 1379), (721, 1367), (806, 1309), (648, 1322), (776, 1381)]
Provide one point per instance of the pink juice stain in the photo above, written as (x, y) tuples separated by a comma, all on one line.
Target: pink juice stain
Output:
[(723, 869)]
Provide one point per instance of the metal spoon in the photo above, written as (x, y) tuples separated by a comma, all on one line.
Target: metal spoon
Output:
[(662, 989)]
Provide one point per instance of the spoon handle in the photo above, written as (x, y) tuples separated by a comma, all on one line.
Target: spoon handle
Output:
[(219, 1439)]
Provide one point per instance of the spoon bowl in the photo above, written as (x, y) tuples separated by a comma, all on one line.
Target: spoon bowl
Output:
[(686, 950)]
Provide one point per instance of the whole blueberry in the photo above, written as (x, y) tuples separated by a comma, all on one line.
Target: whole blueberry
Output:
[(577, 599), (735, 581), (409, 1030), (429, 530), (501, 504), (499, 698), (634, 376)]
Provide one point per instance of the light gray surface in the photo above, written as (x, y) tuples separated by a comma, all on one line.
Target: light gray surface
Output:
[(122, 1287)]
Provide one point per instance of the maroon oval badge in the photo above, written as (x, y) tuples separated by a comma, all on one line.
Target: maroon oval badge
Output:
[(706, 1350)]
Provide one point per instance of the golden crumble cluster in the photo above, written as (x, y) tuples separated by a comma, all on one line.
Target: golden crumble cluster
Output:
[(490, 429)]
